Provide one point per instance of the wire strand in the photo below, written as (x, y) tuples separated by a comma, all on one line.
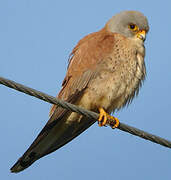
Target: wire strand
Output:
[(87, 113)]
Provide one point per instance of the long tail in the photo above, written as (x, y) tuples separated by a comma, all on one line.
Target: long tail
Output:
[(52, 137), (47, 140)]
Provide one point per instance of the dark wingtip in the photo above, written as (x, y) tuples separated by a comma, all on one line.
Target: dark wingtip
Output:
[(24, 162), (17, 167)]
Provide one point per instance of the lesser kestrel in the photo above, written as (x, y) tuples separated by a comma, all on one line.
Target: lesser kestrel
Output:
[(105, 72)]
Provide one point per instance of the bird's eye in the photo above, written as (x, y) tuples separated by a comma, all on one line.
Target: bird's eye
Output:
[(133, 27)]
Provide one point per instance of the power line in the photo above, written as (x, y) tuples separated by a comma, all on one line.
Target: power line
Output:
[(87, 113)]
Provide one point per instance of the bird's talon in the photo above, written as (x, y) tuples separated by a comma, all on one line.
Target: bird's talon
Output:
[(116, 123), (103, 117)]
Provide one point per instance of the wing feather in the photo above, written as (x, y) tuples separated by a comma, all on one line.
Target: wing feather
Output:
[(81, 69)]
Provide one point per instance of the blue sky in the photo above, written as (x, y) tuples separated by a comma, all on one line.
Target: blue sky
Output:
[(36, 37)]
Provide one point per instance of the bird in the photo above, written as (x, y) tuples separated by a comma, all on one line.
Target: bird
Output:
[(105, 72)]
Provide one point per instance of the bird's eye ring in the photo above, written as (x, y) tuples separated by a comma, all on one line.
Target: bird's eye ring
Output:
[(133, 27)]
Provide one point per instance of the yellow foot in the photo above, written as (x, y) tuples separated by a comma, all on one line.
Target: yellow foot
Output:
[(104, 116)]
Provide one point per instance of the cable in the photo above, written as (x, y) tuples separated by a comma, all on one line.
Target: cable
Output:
[(87, 113)]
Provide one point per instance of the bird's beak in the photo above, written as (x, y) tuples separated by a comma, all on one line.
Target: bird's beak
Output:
[(141, 35)]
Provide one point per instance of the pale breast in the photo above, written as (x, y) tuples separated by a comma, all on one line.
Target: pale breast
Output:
[(132, 73), (119, 77)]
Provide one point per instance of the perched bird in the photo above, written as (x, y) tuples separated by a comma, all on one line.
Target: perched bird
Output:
[(105, 72)]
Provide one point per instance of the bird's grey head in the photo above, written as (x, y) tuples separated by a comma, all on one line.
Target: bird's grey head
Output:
[(129, 24)]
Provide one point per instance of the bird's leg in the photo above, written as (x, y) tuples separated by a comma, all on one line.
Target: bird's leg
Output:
[(104, 116)]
